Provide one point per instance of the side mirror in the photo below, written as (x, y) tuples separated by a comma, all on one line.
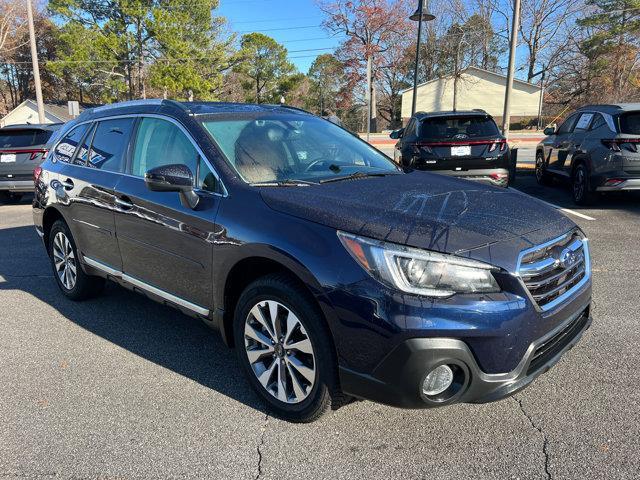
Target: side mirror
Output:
[(549, 130), (173, 178), (396, 134)]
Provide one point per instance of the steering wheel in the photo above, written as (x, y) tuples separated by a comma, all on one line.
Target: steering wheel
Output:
[(314, 163)]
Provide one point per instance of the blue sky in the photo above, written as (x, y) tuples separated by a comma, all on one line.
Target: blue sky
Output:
[(293, 23)]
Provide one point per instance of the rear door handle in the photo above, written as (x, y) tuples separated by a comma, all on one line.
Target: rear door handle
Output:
[(124, 204), (67, 184)]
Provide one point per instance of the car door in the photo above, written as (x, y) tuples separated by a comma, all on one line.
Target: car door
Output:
[(93, 158), (560, 143), (576, 139), (166, 246)]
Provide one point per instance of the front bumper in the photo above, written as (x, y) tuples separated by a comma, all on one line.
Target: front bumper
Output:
[(398, 378), (16, 185)]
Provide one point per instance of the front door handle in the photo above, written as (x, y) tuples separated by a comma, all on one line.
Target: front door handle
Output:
[(67, 184), (124, 204)]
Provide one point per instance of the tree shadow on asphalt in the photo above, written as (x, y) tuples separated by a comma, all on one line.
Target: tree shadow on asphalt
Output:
[(559, 194), (129, 320)]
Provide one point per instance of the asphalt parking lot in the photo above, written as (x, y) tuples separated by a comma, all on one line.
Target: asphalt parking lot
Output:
[(120, 387)]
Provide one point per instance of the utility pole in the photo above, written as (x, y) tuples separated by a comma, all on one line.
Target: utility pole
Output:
[(368, 95), (540, 102), (34, 61), (512, 60)]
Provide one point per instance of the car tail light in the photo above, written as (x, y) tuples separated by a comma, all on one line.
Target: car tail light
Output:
[(498, 176), (36, 153), (616, 144), (501, 144), (36, 174), (612, 182)]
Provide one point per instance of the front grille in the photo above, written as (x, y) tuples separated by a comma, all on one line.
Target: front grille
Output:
[(554, 345), (550, 271)]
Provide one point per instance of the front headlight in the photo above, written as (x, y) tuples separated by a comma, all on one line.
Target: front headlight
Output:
[(420, 271)]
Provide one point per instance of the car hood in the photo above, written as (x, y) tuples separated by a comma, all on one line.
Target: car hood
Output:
[(423, 210)]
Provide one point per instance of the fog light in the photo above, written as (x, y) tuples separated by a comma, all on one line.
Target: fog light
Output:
[(438, 380)]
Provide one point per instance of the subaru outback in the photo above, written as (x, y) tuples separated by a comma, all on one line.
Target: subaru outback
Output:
[(333, 272)]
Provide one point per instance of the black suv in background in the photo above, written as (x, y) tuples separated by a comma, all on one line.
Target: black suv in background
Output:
[(596, 148), (22, 149), (465, 144)]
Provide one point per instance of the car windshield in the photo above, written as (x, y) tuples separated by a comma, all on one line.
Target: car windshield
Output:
[(630, 123), (280, 148), (457, 128), (23, 138)]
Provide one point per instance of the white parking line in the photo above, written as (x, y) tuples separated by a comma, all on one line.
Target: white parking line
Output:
[(565, 210)]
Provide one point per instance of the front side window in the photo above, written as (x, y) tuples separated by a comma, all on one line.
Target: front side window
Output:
[(67, 146), (268, 147), (159, 142), (110, 143), (457, 128), (567, 126)]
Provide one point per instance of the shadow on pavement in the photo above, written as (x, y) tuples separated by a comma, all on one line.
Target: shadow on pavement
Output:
[(152, 331), (559, 194)]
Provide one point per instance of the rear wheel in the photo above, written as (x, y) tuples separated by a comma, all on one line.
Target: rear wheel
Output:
[(581, 186), (542, 176), (285, 349), (10, 197), (71, 279)]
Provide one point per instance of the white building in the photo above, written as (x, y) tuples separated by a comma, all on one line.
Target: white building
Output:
[(477, 88), (27, 112)]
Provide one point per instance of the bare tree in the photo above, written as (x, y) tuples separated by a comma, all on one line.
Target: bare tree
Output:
[(12, 23)]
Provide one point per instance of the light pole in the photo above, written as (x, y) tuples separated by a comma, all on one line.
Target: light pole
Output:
[(420, 15), (506, 115), (34, 62)]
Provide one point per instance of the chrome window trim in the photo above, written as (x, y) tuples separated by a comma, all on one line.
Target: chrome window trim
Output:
[(557, 301), (224, 193), (145, 286)]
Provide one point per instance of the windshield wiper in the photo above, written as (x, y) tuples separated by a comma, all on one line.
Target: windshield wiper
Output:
[(288, 182), (354, 176)]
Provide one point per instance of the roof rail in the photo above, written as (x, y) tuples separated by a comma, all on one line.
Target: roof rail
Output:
[(175, 103), (130, 103), (291, 107), (595, 105), (481, 110)]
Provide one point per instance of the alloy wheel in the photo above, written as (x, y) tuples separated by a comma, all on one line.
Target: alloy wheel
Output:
[(578, 184), (64, 261), (279, 351), (539, 168)]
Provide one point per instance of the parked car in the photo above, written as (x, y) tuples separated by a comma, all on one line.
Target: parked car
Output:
[(464, 144), (332, 271), (596, 149), (22, 149)]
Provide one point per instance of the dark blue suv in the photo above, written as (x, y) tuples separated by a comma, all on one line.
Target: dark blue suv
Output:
[(333, 272)]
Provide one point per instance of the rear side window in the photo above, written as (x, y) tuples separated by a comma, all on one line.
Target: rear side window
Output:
[(23, 138), (454, 128), (583, 122), (630, 123), (67, 146), (598, 122), (83, 151), (110, 143)]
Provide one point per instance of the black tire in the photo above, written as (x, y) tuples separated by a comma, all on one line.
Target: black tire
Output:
[(581, 189), (324, 393), (10, 197), (543, 177), (85, 286)]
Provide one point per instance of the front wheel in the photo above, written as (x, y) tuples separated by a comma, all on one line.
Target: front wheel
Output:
[(285, 349), (542, 176)]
